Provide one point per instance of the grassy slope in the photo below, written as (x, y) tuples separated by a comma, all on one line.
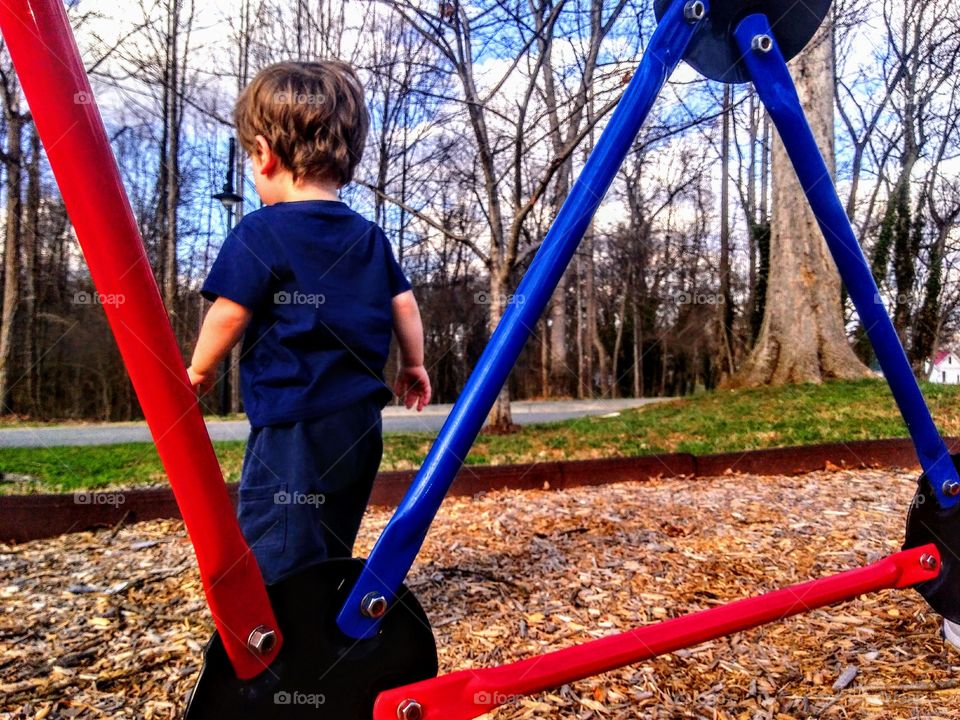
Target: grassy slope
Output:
[(711, 422)]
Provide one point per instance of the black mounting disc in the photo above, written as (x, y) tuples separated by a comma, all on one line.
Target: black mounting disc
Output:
[(927, 523), (319, 672), (714, 53)]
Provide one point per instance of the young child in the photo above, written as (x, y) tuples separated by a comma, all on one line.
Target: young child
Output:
[(314, 291)]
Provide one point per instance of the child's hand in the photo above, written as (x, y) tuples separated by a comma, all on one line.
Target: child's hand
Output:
[(202, 382), (413, 386)]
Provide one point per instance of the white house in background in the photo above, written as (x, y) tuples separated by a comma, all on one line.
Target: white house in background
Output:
[(946, 368)]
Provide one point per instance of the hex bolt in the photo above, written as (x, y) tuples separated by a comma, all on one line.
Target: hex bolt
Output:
[(762, 43), (951, 488), (373, 605), (928, 562), (694, 10), (409, 710), (262, 640)]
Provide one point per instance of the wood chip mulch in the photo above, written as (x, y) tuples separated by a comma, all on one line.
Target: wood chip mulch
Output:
[(111, 624)]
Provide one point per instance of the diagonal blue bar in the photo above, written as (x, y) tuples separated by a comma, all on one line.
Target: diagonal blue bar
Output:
[(779, 95), (401, 540)]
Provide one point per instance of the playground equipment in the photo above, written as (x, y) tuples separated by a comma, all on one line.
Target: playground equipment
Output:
[(346, 637)]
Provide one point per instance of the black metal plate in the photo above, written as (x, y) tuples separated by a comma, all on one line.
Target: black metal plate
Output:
[(319, 673), (714, 53), (928, 523)]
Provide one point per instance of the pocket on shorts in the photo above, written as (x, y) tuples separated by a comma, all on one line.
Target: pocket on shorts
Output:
[(262, 512)]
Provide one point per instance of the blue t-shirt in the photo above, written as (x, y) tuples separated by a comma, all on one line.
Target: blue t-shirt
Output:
[(319, 280)]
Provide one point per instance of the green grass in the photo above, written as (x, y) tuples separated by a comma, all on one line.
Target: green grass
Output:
[(707, 423)]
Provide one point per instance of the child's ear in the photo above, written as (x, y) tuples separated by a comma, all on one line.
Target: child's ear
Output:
[(265, 158)]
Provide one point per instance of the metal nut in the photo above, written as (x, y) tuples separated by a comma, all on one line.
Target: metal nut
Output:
[(409, 710), (951, 488), (374, 605), (762, 43), (262, 640), (694, 10), (928, 562)]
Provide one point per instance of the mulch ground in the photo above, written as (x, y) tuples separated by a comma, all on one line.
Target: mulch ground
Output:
[(111, 624)]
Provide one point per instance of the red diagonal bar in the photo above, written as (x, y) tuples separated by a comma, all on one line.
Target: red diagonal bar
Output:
[(470, 693), (45, 55)]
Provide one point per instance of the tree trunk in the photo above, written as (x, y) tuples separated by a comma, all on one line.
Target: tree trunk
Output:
[(560, 381), (637, 346), (500, 418), (750, 211), (31, 239), (593, 334), (906, 245), (802, 338), (544, 360), (760, 237), (930, 315), (581, 360), (11, 246), (725, 306), (618, 340), (172, 160)]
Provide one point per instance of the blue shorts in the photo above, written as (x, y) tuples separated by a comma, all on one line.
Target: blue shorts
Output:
[(305, 485)]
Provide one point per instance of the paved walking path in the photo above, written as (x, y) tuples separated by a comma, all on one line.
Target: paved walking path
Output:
[(395, 419)]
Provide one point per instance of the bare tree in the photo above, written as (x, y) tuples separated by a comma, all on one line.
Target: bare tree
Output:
[(31, 243), (562, 133), (802, 338), (12, 158), (725, 306), (500, 138)]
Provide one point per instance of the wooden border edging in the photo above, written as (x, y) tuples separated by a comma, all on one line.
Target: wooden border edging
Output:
[(31, 517)]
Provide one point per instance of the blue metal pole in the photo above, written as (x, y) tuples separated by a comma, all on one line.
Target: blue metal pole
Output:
[(401, 540), (777, 92)]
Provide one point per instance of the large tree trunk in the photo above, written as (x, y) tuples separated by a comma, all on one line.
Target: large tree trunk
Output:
[(802, 338)]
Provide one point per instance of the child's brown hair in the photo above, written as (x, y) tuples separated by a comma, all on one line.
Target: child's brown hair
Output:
[(311, 114)]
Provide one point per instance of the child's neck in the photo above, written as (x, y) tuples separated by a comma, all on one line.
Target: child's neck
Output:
[(310, 190)]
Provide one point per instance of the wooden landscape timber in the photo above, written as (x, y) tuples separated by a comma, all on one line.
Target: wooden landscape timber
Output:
[(30, 517)]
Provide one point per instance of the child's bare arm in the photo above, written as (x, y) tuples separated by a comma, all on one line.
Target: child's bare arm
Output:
[(222, 328), (413, 382), (408, 327)]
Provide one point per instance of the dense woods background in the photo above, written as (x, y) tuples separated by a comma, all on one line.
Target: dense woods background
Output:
[(482, 115)]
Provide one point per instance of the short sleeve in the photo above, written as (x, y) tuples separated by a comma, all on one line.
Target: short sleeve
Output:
[(244, 267), (398, 281)]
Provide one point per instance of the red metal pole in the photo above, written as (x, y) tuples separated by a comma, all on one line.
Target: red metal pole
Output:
[(45, 55), (470, 693)]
